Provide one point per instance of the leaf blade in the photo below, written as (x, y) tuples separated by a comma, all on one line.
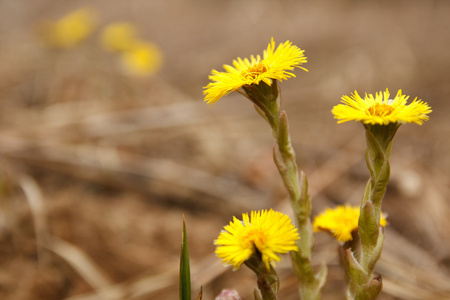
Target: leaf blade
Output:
[(185, 272)]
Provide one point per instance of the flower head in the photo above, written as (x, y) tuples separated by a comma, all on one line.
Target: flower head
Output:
[(268, 232), (340, 221), (228, 295), (380, 109), (119, 36), (143, 58), (276, 64), (71, 29)]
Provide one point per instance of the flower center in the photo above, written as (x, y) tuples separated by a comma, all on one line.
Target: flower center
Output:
[(254, 71), (349, 222), (256, 237), (380, 110)]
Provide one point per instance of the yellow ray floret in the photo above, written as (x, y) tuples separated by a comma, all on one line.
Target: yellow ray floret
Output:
[(380, 109), (268, 232), (276, 64), (340, 221)]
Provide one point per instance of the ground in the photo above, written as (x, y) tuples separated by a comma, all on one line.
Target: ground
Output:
[(98, 166)]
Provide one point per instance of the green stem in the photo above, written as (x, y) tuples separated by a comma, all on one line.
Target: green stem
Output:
[(363, 284), (268, 282), (267, 103), (284, 156)]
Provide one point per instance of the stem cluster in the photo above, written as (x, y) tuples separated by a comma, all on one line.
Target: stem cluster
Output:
[(363, 283), (267, 103)]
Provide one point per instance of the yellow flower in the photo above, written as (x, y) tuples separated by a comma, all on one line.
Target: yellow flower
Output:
[(70, 29), (380, 109), (341, 221), (119, 36), (275, 65), (142, 59), (268, 232)]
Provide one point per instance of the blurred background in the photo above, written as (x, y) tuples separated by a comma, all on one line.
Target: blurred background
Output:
[(105, 142)]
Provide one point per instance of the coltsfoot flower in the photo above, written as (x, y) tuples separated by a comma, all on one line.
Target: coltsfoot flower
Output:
[(119, 36), (380, 109), (340, 221), (71, 29), (268, 232), (144, 58), (276, 64)]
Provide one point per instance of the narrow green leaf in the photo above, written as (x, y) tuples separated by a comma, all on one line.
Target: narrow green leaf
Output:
[(257, 294), (356, 273), (367, 227), (185, 273), (367, 191), (380, 185), (370, 290), (304, 202), (375, 154), (284, 172), (302, 267), (262, 113), (321, 276), (368, 230), (376, 254), (284, 140)]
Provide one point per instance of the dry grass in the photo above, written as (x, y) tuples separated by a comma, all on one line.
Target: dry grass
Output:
[(97, 168)]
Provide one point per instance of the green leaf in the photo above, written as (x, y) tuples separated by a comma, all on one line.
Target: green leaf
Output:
[(376, 253), (356, 273), (322, 275), (262, 113), (368, 230), (367, 191), (380, 184), (257, 294), (374, 155), (304, 201), (371, 290), (367, 227), (185, 273), (284, 172), (284, 140)]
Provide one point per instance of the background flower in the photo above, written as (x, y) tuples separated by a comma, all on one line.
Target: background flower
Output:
[(70, 30), (119, 36), (144, 58)]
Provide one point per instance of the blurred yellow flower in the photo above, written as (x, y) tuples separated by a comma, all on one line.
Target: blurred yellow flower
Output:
[(380, 109), (142, 59), (119, 36), (268, 232), (275, 65), (340, 221), (71, 29)]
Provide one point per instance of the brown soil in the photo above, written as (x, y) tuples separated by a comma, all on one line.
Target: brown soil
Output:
[(98, 167)]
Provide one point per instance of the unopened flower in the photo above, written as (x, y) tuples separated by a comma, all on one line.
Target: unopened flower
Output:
[(276, 64), (380, 109), (228, 295), (340, 221), (142, 59), (70, 30), (267, 232), (119, 36)]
